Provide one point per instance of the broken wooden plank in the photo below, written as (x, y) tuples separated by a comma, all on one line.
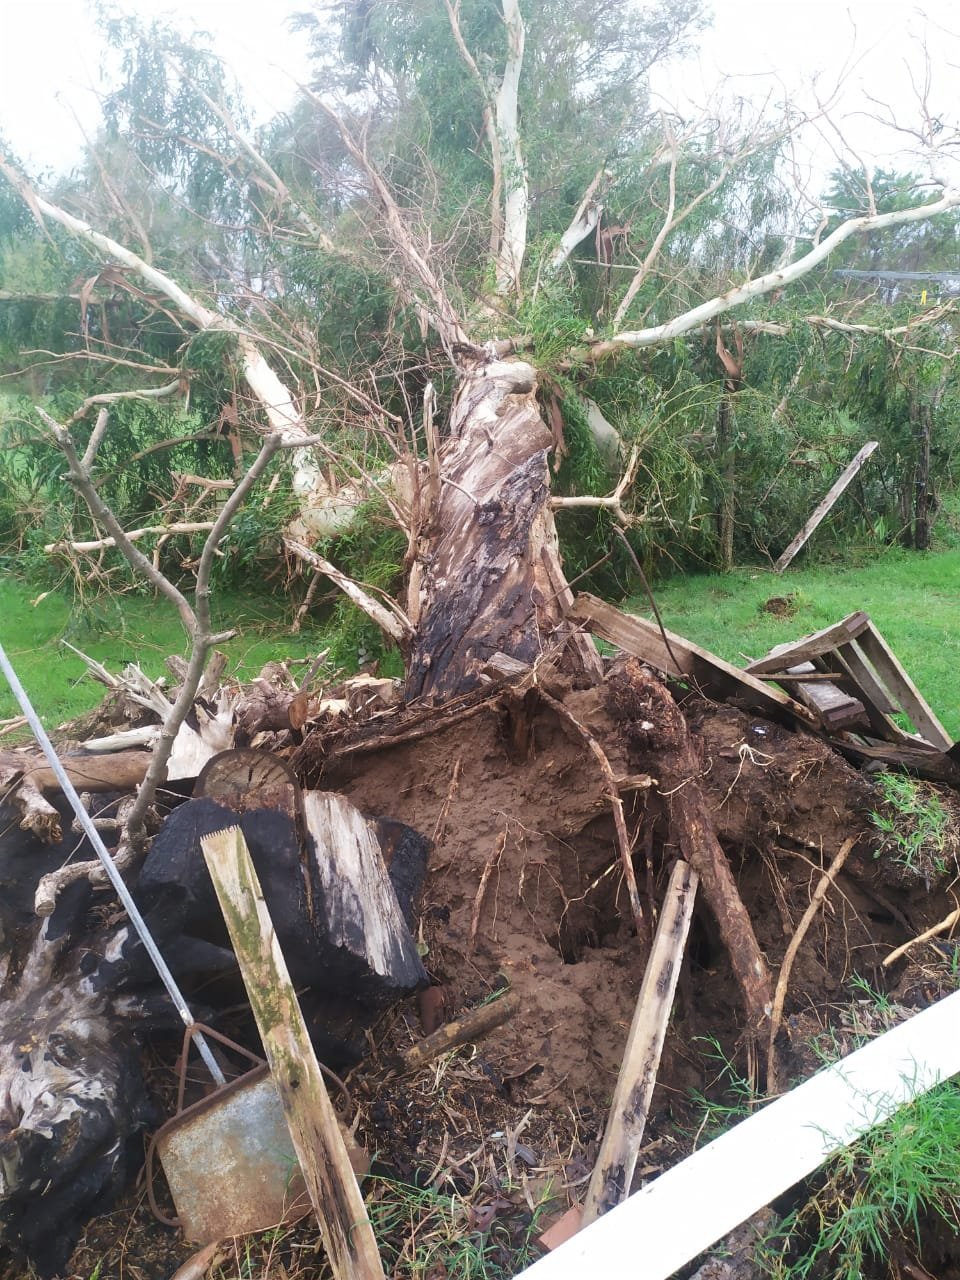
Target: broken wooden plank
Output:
[(617, 1159), (866, 678), (903, 689), (685, 1210), (916, 756), (324, 1160), (836, 709), (678, 657), (783, 656), (823, 508)]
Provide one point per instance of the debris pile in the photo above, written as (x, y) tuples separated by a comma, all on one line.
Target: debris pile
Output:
[(540, 860)]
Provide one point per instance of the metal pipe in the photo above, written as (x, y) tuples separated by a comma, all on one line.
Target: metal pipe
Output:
[(113, 875)]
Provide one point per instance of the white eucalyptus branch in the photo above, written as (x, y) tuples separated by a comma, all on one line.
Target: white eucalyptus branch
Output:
[(760, 285)]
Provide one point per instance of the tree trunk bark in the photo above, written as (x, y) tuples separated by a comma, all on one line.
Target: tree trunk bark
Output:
[(727, 460), (488, 576), (921, 512)]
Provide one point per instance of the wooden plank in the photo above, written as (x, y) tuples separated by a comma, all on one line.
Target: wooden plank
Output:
[(617, 1160), (679, 657), (919, 757), (822, 510), (836, 709), (311, 1119), (903, 689), (784, 656), (685, 1210), (866, 678)]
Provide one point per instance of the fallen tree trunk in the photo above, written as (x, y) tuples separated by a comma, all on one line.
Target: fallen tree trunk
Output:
[(488, 576)]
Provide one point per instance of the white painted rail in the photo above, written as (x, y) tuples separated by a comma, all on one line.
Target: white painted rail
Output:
[(694, 1204)]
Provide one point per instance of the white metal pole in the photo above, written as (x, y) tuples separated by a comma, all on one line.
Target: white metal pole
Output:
[(113, 875)]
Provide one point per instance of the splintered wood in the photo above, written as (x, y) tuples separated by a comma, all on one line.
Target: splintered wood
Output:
[(613, 1172), (324, 1160), (868, 685)]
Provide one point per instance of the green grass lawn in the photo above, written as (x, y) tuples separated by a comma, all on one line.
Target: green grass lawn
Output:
[(913, 598), (128, 629)]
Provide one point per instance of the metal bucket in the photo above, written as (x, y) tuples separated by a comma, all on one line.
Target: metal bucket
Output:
[(228, 1159)]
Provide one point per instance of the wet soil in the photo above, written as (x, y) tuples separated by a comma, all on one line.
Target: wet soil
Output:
[(526, 891)]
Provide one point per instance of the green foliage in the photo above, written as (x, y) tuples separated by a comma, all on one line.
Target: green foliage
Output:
[(885, 1187), (371, 551), (726, 1099)]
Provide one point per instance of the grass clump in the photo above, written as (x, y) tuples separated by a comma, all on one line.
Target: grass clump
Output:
[(875, 1194), (915, 827), (424, 1233)]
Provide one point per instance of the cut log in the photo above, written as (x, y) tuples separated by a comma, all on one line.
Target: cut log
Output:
[(617, 1160), (361, 914), (324, 1160), (675, 656), (118, 771), (244, 779), (823, 509)]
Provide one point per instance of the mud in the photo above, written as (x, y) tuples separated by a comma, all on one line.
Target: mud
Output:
[(525, 890)]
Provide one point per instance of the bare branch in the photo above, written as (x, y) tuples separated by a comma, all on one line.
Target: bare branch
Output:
[(389, 617), (132, 535), (761, 285), (275, 399)]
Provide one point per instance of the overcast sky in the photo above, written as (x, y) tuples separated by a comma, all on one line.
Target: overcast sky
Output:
[(51, 62)]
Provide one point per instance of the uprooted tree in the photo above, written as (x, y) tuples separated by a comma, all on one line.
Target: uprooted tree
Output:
[(459, 204), (471, 236)]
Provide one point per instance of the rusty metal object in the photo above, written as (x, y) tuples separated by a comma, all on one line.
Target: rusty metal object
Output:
[(229, 1161)]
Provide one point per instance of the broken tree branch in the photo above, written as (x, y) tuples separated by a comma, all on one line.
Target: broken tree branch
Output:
[(389, 617), (760, 285), (132, 535), (463, 1030)]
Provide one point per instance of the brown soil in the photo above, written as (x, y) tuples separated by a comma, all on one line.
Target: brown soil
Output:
[(525, 890)]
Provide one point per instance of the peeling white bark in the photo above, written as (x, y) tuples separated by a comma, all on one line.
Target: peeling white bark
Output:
[(513, 244), (584, 222)]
